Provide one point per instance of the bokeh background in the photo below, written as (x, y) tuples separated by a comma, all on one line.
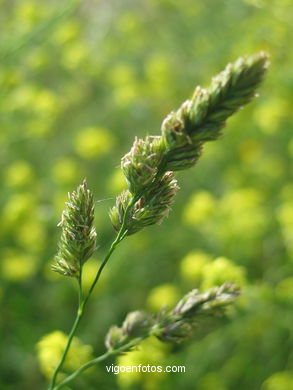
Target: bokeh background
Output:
[(79, 79)]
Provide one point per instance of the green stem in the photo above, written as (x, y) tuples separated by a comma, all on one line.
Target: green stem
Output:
[(70, 338), (73, 329), (80, 293), (82, 302), (120, 236), (98, 360)]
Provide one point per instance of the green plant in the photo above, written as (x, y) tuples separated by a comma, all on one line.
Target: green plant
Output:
[(149, 171)]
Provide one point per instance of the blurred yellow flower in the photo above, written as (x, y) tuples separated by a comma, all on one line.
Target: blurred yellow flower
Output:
[(65, 170), (29, 97), (270, 113), (124, 95), (199, 208), (163, 295), (284, 289), (282, 380), (92, 142), (157, 66), (192, 266), (222, 270), (23, 97), (31, 235), (51, 347), (241, 214), (124, 84), (18, 174), (11, 77), (74, 55), (121, 75), (45, 102), (250, 151), (150, 351), (29, 12), (18, 207), (157, 69), (17, 266), (66, 32), (116, 182)]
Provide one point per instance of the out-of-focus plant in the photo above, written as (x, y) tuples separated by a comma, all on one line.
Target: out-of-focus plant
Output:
[(149, 169)]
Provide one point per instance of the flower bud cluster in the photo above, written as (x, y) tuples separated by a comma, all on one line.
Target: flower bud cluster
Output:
[(78, 237), (140, 165), (150, 209), (136, 324), (177, 324), (202, 118), (183, 134)]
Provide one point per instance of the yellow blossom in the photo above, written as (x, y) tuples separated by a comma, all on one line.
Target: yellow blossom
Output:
[(51, 347)]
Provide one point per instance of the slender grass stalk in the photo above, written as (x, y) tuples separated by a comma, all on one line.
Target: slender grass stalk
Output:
[(174, 325), (83, 301), (81, 306), (120, 236), (149, 170), (70, 338)]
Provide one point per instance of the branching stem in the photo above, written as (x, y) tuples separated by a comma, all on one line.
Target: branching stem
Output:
[(99, 359), (83, 301)]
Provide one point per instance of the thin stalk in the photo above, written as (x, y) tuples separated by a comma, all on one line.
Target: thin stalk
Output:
[(70, 338), (120, 236), (99, 359), (79, 280), (73, 329), (82, 302)]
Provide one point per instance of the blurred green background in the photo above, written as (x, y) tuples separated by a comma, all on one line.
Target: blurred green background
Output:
[(78, 81)]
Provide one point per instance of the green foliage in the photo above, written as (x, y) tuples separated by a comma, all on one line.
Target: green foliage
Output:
[(72, 100)]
